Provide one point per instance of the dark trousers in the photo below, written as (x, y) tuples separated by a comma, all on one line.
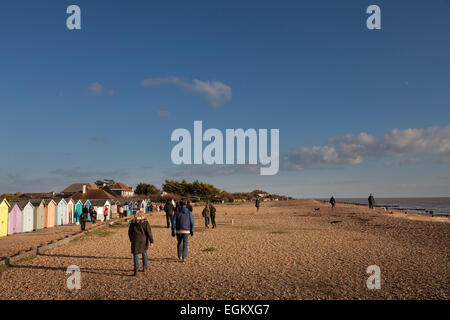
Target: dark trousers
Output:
[(213, 220), (182, 245), (83, 225), (169, 220)]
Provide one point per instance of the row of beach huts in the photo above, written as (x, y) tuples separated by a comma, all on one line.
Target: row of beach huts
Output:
[(34, 214)]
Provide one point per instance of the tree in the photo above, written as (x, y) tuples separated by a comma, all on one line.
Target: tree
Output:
[(146, 189)]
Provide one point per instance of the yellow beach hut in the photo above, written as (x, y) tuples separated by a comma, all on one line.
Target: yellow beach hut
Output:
[(4, 209)]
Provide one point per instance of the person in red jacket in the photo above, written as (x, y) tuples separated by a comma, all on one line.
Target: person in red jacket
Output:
[(105, 212)]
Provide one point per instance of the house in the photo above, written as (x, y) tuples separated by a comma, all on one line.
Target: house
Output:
[(4, 209), (38, 213), (122, 190), (92, 194), (38, 195), (50, 209), (15, 218), (78, 187)]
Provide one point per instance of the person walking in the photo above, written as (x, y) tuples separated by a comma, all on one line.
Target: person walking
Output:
[(212, 211), (257, 204), (189, 207), (83, 219), (206, 213), (182, 226), (371, 200), (93, 214), (169, 209), (140, 235), (120, 211), (332, 201), (105, 213)]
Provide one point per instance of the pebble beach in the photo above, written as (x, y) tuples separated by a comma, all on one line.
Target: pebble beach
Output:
[(298, 249)]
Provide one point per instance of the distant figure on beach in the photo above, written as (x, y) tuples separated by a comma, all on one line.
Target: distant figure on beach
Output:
[(371, 200), (257, 205), (76, 215), (212, 211), (93, 214), (333, 201), (189, 207), (182, 226), (83, 219), (140, 235), (105, 213), (206, 213), (169, 209), (120, 211)]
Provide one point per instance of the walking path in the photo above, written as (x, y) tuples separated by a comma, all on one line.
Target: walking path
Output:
[(286, 251)]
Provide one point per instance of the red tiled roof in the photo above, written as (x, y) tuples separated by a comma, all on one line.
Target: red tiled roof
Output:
[(93, 194), (121, 186)]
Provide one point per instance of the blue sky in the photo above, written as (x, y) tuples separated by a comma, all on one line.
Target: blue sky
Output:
[(76, 107)]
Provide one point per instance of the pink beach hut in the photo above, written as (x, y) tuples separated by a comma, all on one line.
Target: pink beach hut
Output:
[(15, 217)]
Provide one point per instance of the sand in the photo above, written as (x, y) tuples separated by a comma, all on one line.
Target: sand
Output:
[(285, 251)]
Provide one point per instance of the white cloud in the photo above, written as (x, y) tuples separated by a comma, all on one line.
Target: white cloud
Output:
[(98, 89), (216, 93), (162, 113), (354, 149)]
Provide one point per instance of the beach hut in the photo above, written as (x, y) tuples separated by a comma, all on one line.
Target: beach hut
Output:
[(50, 208), (88, 204), (114, 204), (99, 207), (78, 206), (4, 209), (27, 217), (69, 211), (60, 212), (147, 207), (38, 213), (15, 218), (131, 204)]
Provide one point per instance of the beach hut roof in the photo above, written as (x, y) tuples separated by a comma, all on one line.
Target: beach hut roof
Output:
[(20, 203), (37, 202), (47, 201), (98, 202)]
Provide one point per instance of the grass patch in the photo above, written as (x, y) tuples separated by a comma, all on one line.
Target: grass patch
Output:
[(210, 249), (4, 268), (102, 233)]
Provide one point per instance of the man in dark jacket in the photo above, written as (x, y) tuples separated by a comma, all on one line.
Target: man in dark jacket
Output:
[(212, 212), (257, 205), (333, 201), (84, 217), (371, 200), (189, 207), (93, 214), (206, 213), (169, 209), (140, 235), (182, 226)]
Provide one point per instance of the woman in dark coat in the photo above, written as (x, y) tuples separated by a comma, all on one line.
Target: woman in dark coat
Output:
[(140, 235)]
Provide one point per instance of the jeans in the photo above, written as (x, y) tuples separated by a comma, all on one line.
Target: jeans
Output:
[(144, 260), (169, 220), (206, 221), (182, 245), (213, 220)]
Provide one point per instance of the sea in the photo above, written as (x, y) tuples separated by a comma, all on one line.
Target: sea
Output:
[(421, 205)]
